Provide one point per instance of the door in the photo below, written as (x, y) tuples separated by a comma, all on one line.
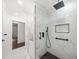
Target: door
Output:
[(6, 33)]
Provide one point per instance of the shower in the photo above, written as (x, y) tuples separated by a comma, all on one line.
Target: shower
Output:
[(52, 41), (48, 55)]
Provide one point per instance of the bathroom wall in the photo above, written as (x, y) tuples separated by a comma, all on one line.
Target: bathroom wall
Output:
[(14, 11), (41, 23), (67, 14)]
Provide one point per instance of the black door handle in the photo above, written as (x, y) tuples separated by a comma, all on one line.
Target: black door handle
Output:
[(5, 34), (3, 40)]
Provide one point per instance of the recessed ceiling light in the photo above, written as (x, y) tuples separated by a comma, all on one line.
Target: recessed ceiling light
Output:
[(20, 2)]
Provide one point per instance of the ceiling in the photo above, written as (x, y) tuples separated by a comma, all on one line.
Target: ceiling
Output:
[(20, 6), (48, 4)]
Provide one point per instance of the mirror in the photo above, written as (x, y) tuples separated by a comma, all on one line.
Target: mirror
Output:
[(18, 34), (62, 28)]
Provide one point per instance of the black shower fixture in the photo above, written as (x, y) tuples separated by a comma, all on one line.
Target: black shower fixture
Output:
[(59, 5)]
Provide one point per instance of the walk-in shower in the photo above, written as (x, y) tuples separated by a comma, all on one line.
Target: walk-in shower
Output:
[(55, 29)]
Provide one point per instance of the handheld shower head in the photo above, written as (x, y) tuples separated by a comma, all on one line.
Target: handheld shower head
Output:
[(47, 29), (48, 43)]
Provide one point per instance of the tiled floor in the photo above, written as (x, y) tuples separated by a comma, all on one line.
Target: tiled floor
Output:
[(49, 56)]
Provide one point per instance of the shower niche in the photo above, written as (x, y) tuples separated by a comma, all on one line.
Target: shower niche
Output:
[(18, 34), (62, 28)]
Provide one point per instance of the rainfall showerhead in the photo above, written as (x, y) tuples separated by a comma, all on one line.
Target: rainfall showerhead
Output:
[(59, 5)]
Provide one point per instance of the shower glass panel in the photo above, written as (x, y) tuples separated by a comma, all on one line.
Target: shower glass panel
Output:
[(18, 34)]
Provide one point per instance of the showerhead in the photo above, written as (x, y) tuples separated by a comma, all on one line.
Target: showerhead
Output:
[(59, 5)]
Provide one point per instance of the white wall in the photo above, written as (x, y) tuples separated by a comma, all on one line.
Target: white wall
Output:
[(13, 11), (63, 49), (41, 23), (31, 36)]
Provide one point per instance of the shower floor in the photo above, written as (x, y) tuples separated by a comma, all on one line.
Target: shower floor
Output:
[(49, 56)]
